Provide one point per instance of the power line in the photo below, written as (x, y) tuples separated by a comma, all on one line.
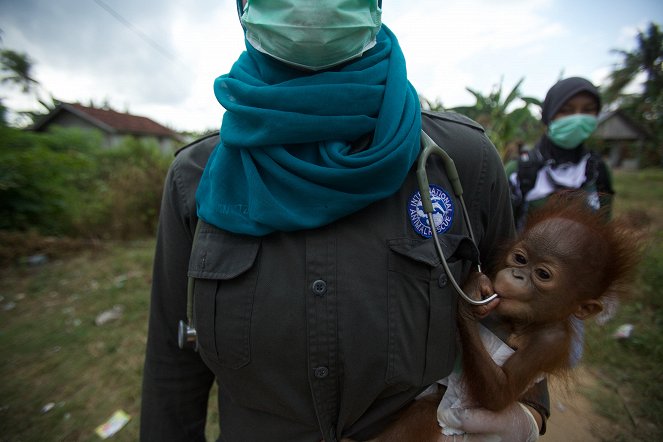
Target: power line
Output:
[(156, 46)]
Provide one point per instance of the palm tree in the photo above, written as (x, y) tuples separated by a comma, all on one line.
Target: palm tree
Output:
[(16, 68), (646, 59), (434, 105)]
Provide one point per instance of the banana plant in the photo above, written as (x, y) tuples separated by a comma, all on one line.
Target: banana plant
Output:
[(503, 122)]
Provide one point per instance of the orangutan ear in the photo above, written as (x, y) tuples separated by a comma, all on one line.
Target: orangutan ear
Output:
[(588, 308)]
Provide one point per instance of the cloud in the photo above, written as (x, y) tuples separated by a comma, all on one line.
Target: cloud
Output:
[(461, 42), (160, 58), (145, 53)]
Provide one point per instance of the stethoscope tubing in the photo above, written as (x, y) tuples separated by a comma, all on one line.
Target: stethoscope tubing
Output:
[(429, 147)]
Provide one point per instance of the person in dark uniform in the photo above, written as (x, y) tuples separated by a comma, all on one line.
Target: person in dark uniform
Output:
[(320, 305)]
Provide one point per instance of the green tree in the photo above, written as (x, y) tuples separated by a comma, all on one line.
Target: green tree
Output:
[(63, 183), (42, 177)]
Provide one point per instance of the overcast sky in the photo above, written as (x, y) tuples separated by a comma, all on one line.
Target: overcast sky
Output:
[(160, 58)]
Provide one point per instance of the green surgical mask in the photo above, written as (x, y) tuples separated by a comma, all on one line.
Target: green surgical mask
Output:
[(569, 132), (312, 34)]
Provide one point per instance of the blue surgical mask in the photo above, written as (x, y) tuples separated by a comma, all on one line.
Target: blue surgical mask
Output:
[(571, 131), (312, 34)]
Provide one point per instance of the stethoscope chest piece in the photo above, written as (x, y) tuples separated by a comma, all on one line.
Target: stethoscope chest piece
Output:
[(187, 337)]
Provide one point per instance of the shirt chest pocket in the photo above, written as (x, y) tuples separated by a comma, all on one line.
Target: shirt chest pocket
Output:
[(422, 307), (224, 269)]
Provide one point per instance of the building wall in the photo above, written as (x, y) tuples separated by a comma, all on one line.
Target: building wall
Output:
[(624, 142), (616, 128), (68, 120)]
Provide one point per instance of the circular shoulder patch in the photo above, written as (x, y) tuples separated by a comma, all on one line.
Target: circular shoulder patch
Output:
[(443, 211)]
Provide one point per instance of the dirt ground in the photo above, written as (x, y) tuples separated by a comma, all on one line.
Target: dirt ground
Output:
[(572, 418)]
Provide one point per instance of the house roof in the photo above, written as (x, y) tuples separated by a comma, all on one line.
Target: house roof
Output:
[(108, 120), (616, 125)]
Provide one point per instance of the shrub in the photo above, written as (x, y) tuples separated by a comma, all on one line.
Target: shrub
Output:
[(40, 175), (63, 183), (127, 196)]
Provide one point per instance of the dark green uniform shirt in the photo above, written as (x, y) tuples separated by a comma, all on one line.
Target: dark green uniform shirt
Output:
[(315, 334)]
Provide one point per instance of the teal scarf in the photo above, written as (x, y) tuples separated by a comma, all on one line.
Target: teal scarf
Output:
[(285, 161)]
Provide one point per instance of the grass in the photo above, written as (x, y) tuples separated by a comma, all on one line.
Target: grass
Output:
[(52, 352), (630, 370)]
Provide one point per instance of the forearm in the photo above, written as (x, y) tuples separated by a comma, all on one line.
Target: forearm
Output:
[(176, 382), (174, 403), (485, 380), (176, 386)]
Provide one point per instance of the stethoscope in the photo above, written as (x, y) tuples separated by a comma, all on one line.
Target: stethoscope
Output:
[(187, 335), (430, 147)]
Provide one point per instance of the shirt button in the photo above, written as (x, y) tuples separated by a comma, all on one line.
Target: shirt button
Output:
[(319, 287), (443, 280), (321, 372)]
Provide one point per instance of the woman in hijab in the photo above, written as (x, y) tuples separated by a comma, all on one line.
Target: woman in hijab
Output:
[(560, 161)]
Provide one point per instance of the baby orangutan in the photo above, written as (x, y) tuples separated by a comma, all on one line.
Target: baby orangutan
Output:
[(565, 263)]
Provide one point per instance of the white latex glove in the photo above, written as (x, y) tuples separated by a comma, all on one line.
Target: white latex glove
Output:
[(513, 424)]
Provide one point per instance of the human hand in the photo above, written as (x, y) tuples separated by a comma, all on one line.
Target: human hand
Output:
[(419, 423), (514, 423), (477, 286)]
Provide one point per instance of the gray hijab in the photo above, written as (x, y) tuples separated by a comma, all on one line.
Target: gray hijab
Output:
[(559, 94)]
